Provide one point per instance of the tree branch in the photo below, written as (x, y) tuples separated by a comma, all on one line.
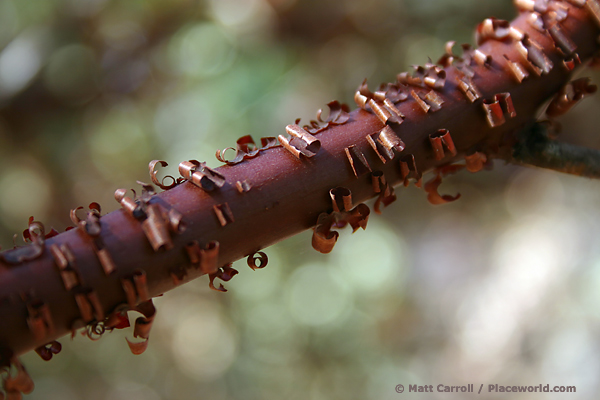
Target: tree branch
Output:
[(538, 150), (469, 108)]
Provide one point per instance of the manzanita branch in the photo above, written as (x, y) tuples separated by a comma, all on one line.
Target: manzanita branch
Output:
[(468, 108)]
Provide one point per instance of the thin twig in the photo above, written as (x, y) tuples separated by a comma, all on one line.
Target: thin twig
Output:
[(539, 150)]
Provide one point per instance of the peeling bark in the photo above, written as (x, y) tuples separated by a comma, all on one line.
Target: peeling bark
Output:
[(467, 108)]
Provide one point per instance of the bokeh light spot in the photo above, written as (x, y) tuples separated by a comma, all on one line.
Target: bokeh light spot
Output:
[(316, 296), (204, 345)]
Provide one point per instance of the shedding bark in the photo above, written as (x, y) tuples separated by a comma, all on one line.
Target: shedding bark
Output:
[(459, 113)]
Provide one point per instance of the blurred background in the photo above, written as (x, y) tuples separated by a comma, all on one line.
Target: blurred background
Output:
[(499, 287)]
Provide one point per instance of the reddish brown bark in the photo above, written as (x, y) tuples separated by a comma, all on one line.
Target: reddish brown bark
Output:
[(287, 194)]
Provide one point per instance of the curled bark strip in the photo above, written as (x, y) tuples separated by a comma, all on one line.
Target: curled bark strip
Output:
[(557, 11), (161, 184), (358, 162), (245, 150), (187, 168), (386, 197), (301, 143), (536, 20), (396, 116), (223, 213), (406, 78), (178, 274), (17, 380), (106, 260), (439, 140), (53, 232), (526, 5), (268, 142), (492, 28), (356, 218), (141, 285), (462, 63), (132, 206), (396, 92), (85, 308), (435, 78), (338, 115), (210, 254), (378, 180), (517, 69), (48, 350), (175, 219), (192, 249), (468, 88), (434, 101), (36, 237), (91, 224), (95, 330), (475, 162), (561, 41), (431, 187), (424, 106), (448, 58), (247, 146), (205, 259), (94, 300), (73, 214), (546, 6), (324, 238), (570, 95), (64, 259), (136, 288), (117, 320), (147, 192), (494, 114), (385, 142), (380, 110), (39, 318), (142, 327), (260, 257), (156, 228), (533, 53), (225, 273), (496, 110), (571, 62), (505, 101), (429, 75), (144, 324), (207, 179), (385, 190), (388, 94), (137, 348), (363, 89), (408, 170), (243, 186), (130, 292), (341, 199), (89, 305), (385, 109), (95, 208), (201, 175), (361, 100), (482, 58)]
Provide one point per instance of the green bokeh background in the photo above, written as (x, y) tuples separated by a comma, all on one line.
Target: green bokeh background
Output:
[(499, 287)]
